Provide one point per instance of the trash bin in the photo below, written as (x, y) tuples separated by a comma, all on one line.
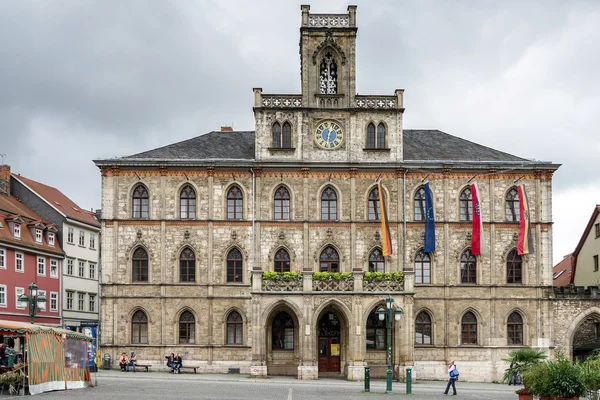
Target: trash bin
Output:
[(367, 379), (11, 360), (106, 364)]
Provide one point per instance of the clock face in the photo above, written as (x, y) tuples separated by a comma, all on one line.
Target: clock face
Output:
[(329, 134)]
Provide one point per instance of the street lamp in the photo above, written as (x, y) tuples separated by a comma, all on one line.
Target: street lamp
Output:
[(33, 299), (389, 312)]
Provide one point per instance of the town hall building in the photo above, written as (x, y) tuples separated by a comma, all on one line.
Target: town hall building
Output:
[(262, 251)]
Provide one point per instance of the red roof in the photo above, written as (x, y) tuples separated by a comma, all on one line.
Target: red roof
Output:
[(59, 201), (563, 271)]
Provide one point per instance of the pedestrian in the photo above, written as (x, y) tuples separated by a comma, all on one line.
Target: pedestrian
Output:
[(171, 362), (132, 361), (452, 378), (513, 375)]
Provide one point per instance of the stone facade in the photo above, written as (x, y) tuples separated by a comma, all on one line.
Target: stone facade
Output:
[(305, 170)]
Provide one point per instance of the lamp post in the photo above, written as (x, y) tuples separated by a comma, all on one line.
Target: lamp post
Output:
[(33, 299), (397, 314)]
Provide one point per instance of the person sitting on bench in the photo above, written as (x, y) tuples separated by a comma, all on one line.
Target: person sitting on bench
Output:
[(132, 361), (171, 362), (123, 362), (177, 364)]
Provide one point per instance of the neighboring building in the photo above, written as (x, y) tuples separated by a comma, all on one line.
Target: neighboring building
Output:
[(29, 253), (586, 266), (191, 229), (78, 234), (563, 271)]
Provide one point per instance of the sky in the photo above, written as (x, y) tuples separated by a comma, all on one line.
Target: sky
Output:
[(82, 80)]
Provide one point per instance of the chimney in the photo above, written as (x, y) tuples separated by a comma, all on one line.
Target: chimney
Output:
[(226, 129), (5, 180)]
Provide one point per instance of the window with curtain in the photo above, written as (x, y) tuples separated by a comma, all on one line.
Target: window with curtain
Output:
[(234, 266), (235, 201), (515, 329), (235, 328), (374, 205), (420, 204), (466, 205), (187, 323), (282, 261), (469, 328), (422, 267), (329, 260), (329, 204), (187, 266), (376, 261), (513, 211), (140, 202), (187, 203), (514, 267), (139, 328), (282, 331), (468, 267), (423, 328), (281, 204), (376, 332), (139, 265)]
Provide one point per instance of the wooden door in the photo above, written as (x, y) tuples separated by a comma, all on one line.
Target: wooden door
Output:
[(330, 348)]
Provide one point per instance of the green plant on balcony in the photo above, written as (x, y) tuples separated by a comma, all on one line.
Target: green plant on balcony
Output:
[(282, 276), (333, 276), (383, 276)]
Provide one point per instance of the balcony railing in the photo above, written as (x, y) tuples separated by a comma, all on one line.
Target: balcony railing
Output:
[(327, 282)]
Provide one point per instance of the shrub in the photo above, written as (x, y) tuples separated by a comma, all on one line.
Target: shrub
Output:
[(559, 378)]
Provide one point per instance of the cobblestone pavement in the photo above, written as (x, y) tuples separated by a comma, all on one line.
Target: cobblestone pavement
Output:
[(162, 385)]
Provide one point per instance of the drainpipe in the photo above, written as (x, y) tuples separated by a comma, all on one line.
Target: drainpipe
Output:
[(404, 216), (253, 217)]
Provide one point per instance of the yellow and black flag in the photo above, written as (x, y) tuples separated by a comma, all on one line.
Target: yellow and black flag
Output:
[(386, 239)]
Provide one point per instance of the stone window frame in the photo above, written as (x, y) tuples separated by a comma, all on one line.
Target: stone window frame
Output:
[(193, 338), (226, 190), (513, 199), (295, 330), (513, 252), (373, 188), (329, 262), (132, 189), (290, 199), (376, 125), (180, 190), (477, 269), (431, 327), (281, 125), (130, 324), (508, 324), (379, 325), (465, 202), (225, 323), (281, 260), (417, 253), (382, 260), (242, 267), (338, 202), (179, 266), (477, 327), (419, 203), (149, 267)]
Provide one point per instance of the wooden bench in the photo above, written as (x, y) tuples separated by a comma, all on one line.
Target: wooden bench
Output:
[(189, 367), (143, 366)]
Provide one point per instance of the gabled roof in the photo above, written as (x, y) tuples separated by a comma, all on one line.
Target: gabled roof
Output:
[(419, 145), (583, 238), (562, 272), (56, 199)]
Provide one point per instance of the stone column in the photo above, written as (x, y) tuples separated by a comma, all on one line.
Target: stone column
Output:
[(309, 367)]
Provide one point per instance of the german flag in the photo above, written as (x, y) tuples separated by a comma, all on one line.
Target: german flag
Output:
[(525, 242), (386, 239)]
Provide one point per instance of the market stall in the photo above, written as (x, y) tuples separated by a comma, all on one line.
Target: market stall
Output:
[(55, 358)]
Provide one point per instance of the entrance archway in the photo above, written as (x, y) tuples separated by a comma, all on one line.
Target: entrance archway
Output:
[(586, 338), (329, 342)]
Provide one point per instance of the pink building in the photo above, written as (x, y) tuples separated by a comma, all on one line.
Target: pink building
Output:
[(29, 253)]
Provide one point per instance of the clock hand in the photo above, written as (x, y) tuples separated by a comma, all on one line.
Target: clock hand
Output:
[(328, 136)]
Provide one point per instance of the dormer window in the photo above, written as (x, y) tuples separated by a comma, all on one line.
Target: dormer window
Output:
[(51, 239), (38, 236), (17, 231)]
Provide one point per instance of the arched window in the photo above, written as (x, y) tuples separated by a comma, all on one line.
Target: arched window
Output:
[(422, 267), (139, 265), (380, 136), (187, 266), (374, 205), (281, 204), (234, 266), (328, 75), (423, 328), (513, 212), (286, 136), (282, 261), (235, 201), (276, 130), (187, 203), (371, 138), (376, 332), (468, 267), (329, 261), (469, 328), (139, 328), (515, 329), (235, 328), (514, 267), (420, 204), (466, 205), (282, 331), (140, 202), (187, 323), (329, 204), (376, 261)]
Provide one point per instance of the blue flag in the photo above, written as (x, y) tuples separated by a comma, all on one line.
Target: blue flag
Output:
[(429, 222)]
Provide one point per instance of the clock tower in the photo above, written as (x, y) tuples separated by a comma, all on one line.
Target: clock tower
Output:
[(328, 122)]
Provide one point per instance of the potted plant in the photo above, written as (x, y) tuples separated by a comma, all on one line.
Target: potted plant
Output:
[(524, 394), (555, 380), (520, 360)]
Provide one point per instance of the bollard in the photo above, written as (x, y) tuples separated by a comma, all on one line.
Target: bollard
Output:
[(408, 381), (367, 379)]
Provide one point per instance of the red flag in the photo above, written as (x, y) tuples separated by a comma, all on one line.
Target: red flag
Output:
[(386, 239), (478, 243), (525, 242)]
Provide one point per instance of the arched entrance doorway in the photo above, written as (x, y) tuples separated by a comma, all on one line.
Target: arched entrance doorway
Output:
[(586, 339), (329, 343)]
